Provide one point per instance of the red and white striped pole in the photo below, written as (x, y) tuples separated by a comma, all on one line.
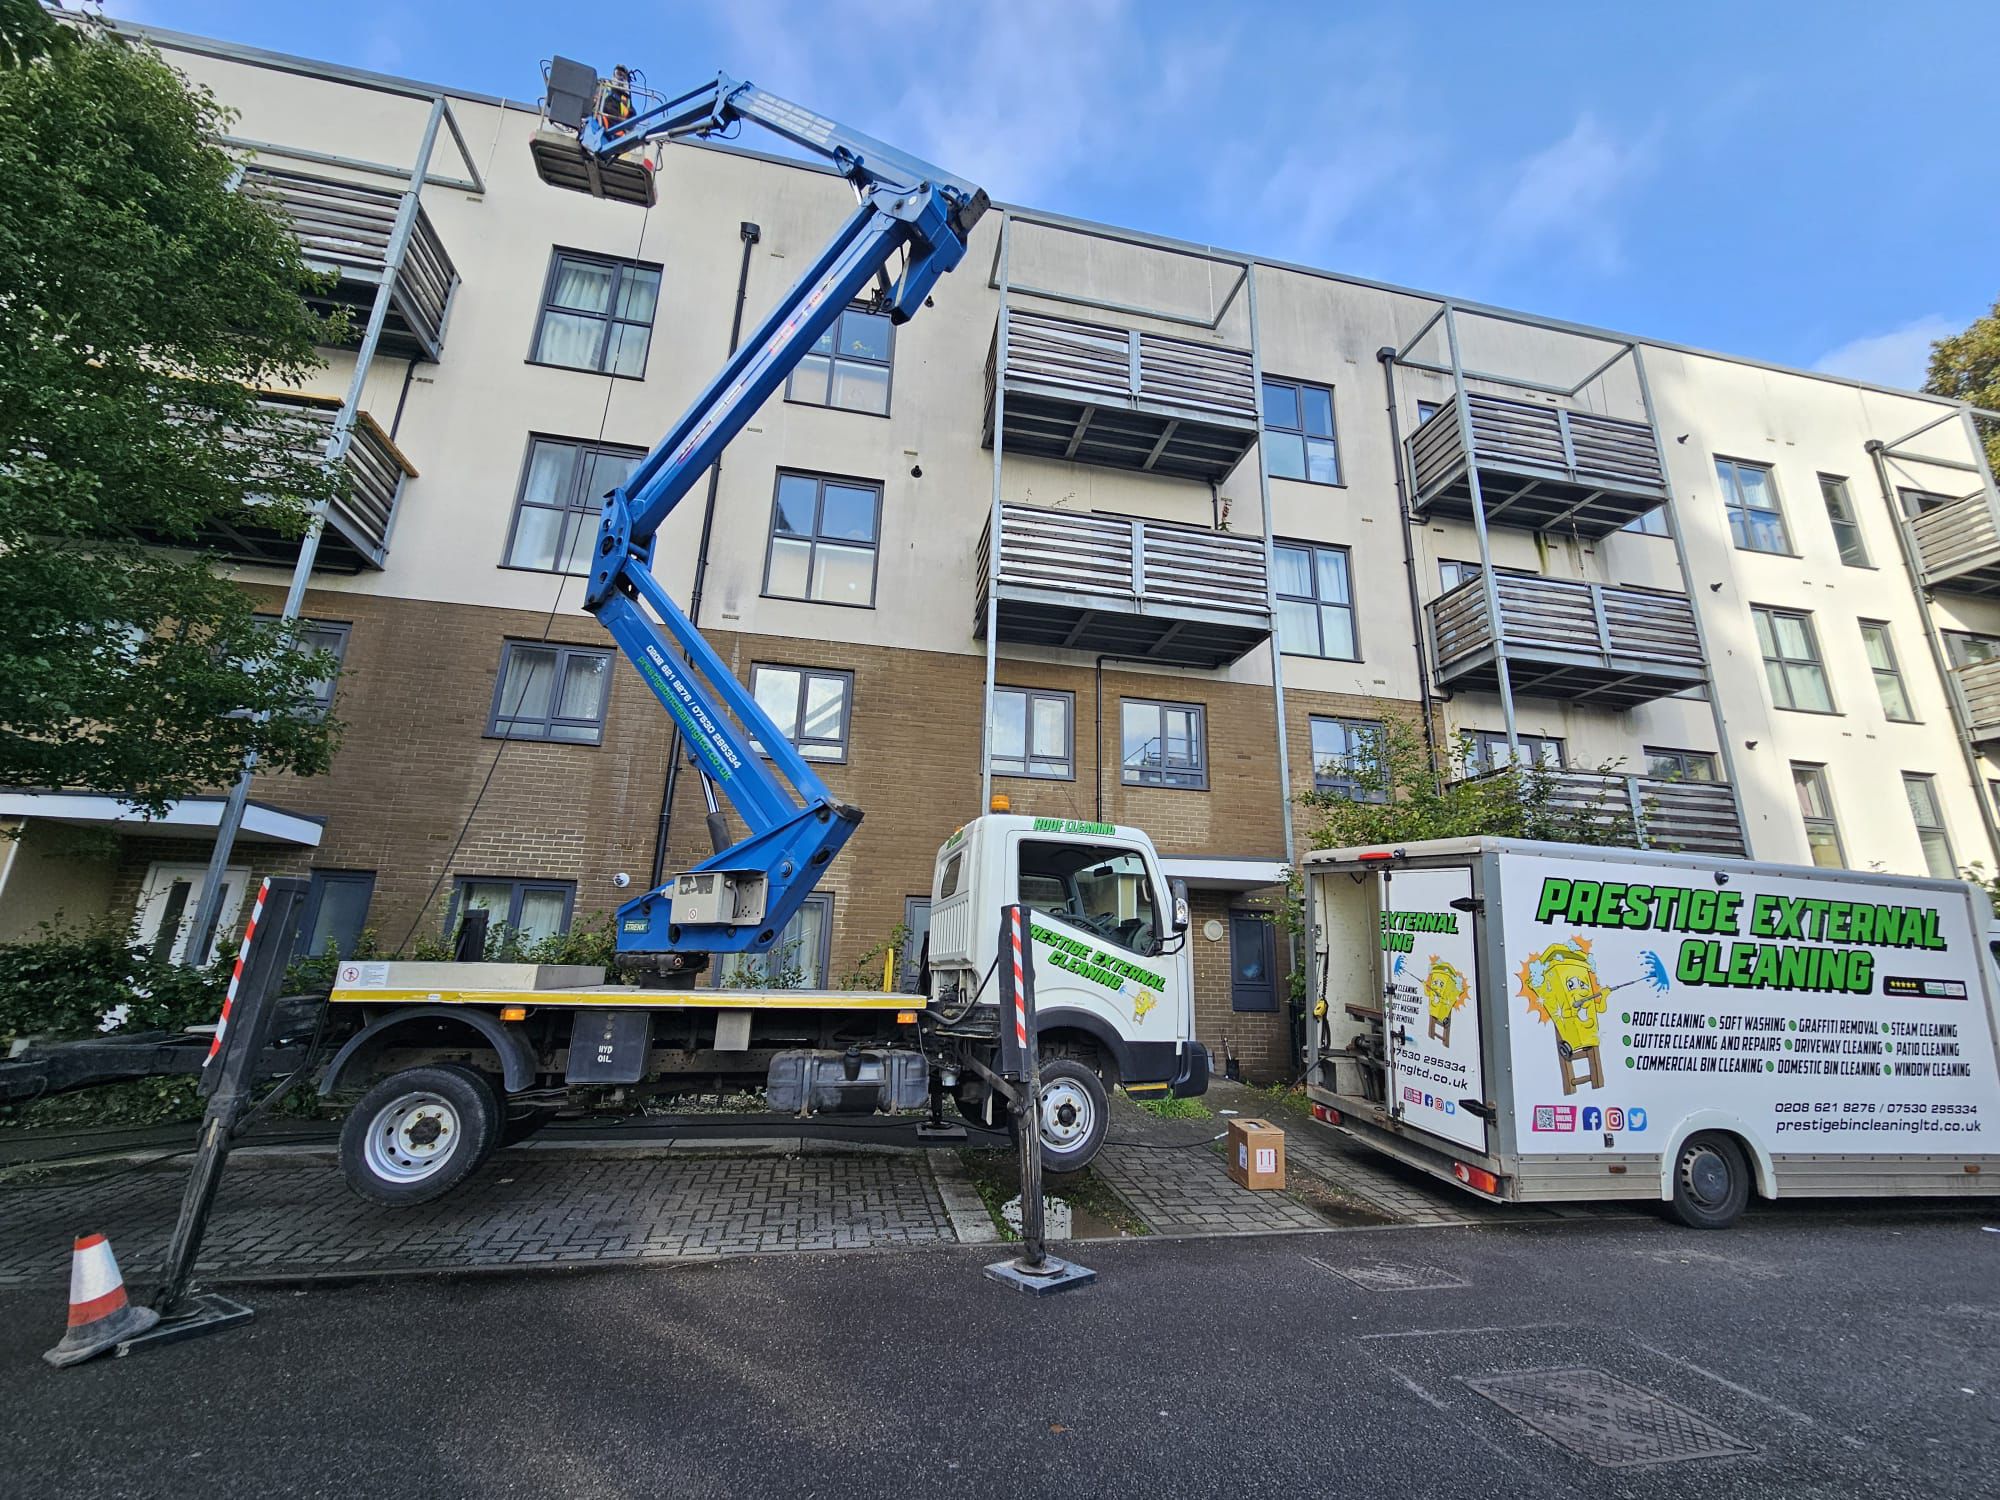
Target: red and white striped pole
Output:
[(1020, 984), (236, 974)]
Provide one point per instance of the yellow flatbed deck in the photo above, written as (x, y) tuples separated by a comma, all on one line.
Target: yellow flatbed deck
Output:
[(627, 997)]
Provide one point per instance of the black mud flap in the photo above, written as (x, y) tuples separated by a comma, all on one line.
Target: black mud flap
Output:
[(610, 1046)]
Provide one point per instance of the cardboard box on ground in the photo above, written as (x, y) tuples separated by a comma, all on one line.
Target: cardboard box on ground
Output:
[(1256, 1151)]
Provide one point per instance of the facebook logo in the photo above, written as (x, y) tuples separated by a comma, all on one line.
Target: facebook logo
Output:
[(1635, 1119), (1593, 1118)]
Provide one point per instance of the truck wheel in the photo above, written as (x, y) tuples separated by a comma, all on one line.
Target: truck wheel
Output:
[(1711, 1182), (1074, 1112), (417, 1134)]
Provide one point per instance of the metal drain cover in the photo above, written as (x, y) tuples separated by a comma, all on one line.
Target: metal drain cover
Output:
[(1601, 1418), (1393, 1276)]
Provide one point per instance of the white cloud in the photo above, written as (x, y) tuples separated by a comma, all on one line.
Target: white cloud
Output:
[(1567, 192), (1901, 357)]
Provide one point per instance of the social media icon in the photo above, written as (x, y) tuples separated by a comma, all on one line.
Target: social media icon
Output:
[(1593, 1118), (1429, 1101), (1450, 1108), (1614, 1118), (1635, 1119)]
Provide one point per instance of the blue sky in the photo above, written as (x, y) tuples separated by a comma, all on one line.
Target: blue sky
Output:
[(1804, 183)]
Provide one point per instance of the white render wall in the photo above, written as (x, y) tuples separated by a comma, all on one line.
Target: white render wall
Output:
[(466, 422)]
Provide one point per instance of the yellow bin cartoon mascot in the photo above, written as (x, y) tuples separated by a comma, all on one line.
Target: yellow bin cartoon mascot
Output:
[(1561, 986), (1444, 992)]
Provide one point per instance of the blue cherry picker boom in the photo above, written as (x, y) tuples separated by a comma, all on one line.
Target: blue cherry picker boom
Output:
[(466, 1056)]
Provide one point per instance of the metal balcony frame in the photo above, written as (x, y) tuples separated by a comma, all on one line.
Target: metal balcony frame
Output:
[(1000, 280), (1897, 451), (1448, 314)]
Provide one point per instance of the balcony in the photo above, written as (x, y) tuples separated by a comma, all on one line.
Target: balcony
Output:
[(1978, 685), (1122, 398), (344, 228), (357, 524), (1648, 812), (1543, 467), (1958, 545), (1581, 642), (1177, 594)]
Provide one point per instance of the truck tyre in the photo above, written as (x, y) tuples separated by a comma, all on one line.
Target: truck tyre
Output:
[(417, 1134), (1073, 1114), (1711, 1182)]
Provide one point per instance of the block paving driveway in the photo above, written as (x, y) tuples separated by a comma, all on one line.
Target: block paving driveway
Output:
[(584, 1201)]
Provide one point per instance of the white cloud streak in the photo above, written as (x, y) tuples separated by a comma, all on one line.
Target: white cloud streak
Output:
[(1901, 357)]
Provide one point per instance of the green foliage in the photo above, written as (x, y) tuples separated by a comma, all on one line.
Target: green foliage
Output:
[(866, 973), (137, 1101), (63, 981), (590, 940), (1411, 803), (1170, 1108), (142, 303), (1966, 367)]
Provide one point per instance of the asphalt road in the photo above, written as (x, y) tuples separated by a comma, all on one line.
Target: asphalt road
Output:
[(1844, 1354)]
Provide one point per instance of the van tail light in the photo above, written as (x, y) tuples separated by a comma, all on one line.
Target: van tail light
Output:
[(1326, 1116), (1474, 1177)]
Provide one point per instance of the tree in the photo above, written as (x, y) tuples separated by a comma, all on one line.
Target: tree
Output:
[(142, 304), (1966, 367), (1401, 800)]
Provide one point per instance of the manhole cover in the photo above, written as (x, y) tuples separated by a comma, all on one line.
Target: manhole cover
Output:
[(1393, 1276), (1601, 1418)]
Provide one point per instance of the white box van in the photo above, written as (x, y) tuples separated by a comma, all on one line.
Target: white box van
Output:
[(1547, 1022)]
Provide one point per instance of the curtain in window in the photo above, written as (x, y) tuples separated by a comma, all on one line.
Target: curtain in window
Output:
[(541, 915)]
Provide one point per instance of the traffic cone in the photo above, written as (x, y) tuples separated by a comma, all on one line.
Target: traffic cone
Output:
[(99, 1314)]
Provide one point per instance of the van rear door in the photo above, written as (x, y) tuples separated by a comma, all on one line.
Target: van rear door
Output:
[(1432, 1003)]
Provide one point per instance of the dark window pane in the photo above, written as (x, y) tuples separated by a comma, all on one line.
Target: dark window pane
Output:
[(1318, 410), (848, 514), (796, 499), (864, 335), (1281, 405)]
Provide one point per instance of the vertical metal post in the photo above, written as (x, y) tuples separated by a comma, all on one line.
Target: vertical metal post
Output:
[(993, 528), (229, 1078), (1913, 568), (1034, 1269), (1270, 569), (1489, 585), (209, 907), (1673, 512)]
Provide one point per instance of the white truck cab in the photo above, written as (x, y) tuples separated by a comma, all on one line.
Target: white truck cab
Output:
[(1114, 982)]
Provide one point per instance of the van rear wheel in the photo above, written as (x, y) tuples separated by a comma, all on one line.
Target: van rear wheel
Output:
[(1711, 1182), (418, 1134)]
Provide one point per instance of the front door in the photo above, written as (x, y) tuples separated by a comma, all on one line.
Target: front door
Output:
[(1430, 988), (167, 903)]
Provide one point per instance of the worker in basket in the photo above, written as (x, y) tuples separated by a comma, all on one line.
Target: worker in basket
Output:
[(614, 98)]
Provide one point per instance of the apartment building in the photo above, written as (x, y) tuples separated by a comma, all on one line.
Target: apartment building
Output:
[(1122, 528)]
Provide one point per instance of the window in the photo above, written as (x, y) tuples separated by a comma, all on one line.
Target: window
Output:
[(1253, 962), (1298, 432), (849, 366), (797, 960), (1652, 523), (1164, 744), (1967, 649), (809, 707), (1426, 410), (1791, 660), (1102, 891), (1916, 502), (563, 486), (1031, 733), (1752, 501), (1487, 750), (530, 910), (1922, 793), (1680, 765), (1816, 811), (916, 937), (336, 911), (1347, 758), (1840, 515), (1452, 574), (321, 635), (597, 314), (823, 540), (1315, 602), (1888, 680), (551, 693)]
